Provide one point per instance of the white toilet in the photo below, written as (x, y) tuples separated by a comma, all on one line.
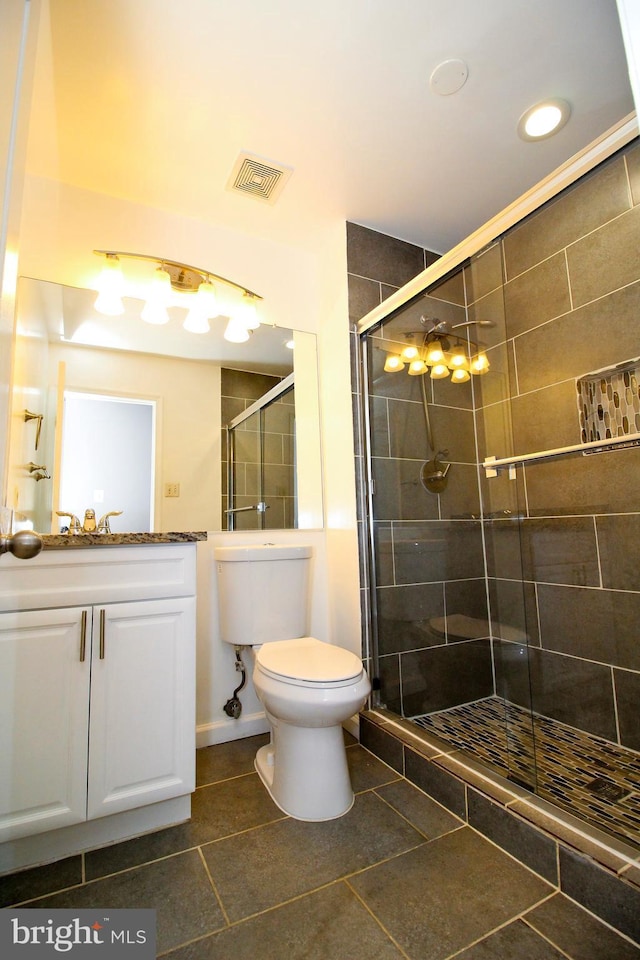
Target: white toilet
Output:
[(308, 688)]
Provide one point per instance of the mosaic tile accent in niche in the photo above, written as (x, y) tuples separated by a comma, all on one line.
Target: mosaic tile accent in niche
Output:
[(584, 774), (609, 402)]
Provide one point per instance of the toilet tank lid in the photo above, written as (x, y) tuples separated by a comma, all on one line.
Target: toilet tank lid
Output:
[(309, 659), (256, 552)]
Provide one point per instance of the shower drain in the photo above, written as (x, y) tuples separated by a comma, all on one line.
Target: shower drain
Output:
[(607, 790)]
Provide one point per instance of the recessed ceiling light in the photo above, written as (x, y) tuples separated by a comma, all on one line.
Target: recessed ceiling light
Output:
[(544, 119)]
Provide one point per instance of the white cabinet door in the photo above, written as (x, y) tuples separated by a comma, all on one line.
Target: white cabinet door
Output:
[(142, 733), (44, 714)]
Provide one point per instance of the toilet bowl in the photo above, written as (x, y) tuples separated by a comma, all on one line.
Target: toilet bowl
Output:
[(308, 689)]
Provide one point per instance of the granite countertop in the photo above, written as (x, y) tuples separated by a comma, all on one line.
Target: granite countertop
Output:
[(63, 540)]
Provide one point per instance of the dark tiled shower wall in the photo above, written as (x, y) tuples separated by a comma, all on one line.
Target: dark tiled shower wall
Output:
[(377, 266), (239, 389), (569, 305)]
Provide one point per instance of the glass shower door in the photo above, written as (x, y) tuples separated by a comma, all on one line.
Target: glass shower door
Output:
[(261, 476), (449, 622)]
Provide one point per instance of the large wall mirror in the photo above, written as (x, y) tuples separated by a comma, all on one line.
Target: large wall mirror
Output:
[(156, 398)]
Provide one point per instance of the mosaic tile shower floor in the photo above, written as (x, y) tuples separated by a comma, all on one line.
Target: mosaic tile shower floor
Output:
[(586, 775)]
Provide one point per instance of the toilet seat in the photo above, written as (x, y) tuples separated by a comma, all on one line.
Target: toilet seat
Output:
[(308, 662)]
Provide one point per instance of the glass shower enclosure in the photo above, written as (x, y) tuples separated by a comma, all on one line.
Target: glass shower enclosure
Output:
[(501, 432), (261, 475)]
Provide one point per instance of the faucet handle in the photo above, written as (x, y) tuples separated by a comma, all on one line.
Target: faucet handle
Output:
[(74, 524), (103, 524)]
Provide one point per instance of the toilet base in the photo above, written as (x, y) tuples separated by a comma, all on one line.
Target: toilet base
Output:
[(305, 771)]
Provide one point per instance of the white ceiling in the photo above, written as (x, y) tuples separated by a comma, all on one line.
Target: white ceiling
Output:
[(153, 100)]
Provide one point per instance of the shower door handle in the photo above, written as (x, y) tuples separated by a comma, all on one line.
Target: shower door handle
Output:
[(261, 507)]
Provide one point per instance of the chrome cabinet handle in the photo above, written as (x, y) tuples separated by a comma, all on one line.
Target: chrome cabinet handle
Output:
[(102, 626), (83, 635)]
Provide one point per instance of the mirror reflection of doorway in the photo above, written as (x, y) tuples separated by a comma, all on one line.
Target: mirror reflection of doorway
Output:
[(108, 453)]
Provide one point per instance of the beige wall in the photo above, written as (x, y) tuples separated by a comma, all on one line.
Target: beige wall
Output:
[(62, 226), (188, 408), (18, 31)]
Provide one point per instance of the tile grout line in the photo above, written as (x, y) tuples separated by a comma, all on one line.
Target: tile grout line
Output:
[(214, 886), (531, 925), (546, 938), (554, 885), (503, 926), (429, 839), (284, 903), (324, 886), (376, 919), (84, 882)]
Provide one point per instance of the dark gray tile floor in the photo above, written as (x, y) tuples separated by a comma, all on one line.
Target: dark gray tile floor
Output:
[(397, 877)]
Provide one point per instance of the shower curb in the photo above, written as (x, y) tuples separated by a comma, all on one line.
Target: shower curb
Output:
[(599, 872)]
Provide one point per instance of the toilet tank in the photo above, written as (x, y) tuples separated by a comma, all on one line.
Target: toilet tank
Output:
[(263, 592)]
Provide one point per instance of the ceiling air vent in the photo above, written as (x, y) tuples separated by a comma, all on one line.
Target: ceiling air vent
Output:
[(258, 177)]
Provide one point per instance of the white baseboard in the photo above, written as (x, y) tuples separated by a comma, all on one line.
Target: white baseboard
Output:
[(222, 731)]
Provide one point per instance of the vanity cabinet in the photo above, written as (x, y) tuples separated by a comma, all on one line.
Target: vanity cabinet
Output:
[(97, 712)]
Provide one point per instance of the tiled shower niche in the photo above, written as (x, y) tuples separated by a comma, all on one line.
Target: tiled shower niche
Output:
[(609, 402)]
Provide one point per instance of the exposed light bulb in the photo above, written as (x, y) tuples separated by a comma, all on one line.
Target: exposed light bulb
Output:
[(417, 367), (458, 358), (207, 302), (439, 371), (435, 353), (246, 313), (479, 364), (155, 309), (196, 322), (110, 288), (393, 363), (236, 332), (410, 352)]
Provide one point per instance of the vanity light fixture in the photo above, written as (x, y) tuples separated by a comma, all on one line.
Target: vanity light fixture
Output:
[(110, 287), (155, 309), (438, 351), (236, 332), (417, 367), (543, 119), (393, 363), (171, 276)]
